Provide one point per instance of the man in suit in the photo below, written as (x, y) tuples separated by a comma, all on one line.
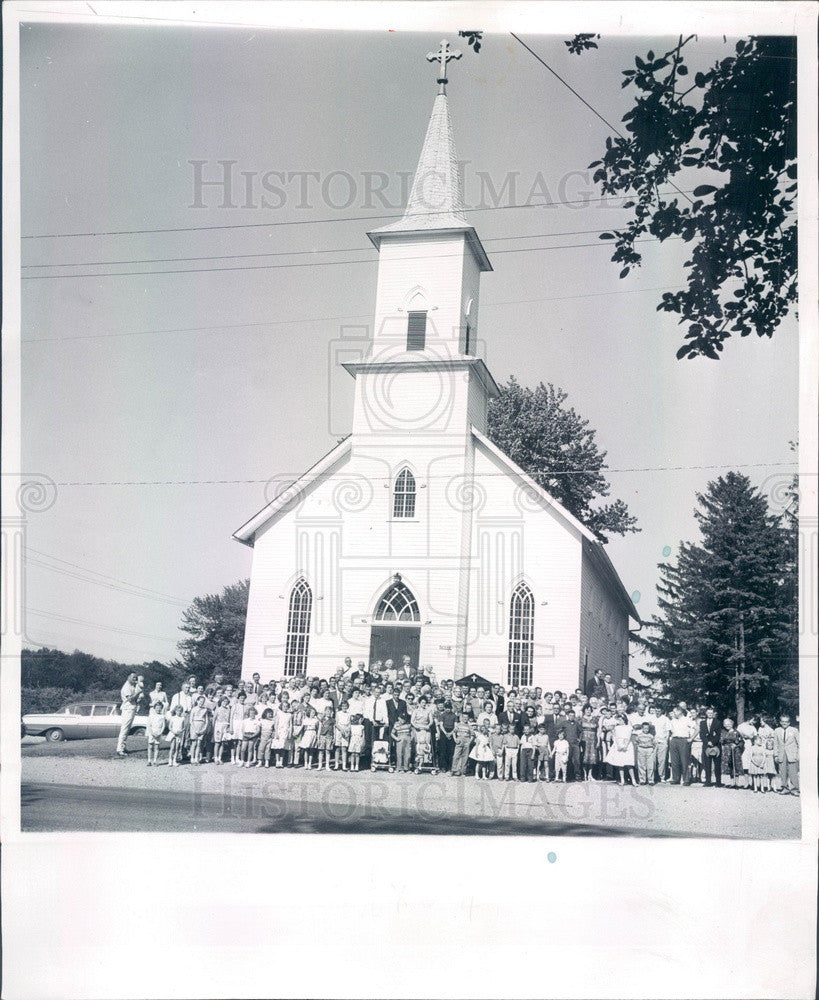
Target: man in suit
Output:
[(709, 734), (396, 708), (571, 733), (786, 755), (595, 686), (511, 716), (608, 684)]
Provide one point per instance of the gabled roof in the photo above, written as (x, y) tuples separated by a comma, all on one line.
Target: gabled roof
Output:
[(591, 546), (247, 533)]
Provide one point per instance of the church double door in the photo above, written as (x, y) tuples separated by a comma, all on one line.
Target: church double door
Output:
[(393, 642)]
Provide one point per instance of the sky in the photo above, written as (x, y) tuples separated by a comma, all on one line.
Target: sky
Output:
[(162, 404)]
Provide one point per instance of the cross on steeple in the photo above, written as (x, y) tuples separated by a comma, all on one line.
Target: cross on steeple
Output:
[(443, 56)]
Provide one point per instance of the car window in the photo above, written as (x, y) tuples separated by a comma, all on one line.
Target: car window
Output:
[(83, 710), (101, 710)]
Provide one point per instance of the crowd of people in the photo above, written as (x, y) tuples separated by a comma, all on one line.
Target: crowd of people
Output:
[(402, 719)]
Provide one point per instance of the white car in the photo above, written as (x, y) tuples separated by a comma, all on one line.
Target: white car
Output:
[(83, 721)]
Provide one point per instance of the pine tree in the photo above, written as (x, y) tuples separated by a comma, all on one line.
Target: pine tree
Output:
[(724, 632)]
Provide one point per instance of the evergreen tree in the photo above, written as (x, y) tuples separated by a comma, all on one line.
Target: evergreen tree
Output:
[(724, 635), (215, 625), (556, 447)]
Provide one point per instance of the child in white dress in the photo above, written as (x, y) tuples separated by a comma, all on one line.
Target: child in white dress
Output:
[(342, 735), (221, 728), (309, 737), (154, 731), (356, 742), (560, 753), (481, 753)]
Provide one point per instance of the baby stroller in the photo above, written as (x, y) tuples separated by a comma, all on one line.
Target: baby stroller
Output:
[(380, 756), (424, 760)]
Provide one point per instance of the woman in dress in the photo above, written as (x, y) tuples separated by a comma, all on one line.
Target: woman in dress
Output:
[(621, 753), (731, 743), (606, 738), (237, 720), (747, 730), (589, 737), (282, 743)]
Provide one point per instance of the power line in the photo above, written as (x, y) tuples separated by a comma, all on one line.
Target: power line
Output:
[(315, 263), (109, 628), (86, 574), (291, 253), (311, 222), (60, 640), (322, 319), (589, 106), (354, 479)]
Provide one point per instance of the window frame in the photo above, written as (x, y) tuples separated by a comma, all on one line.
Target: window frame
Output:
[(299, 621), (404, 495), (520, 653)]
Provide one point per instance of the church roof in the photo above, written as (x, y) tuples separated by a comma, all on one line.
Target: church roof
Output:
[(435, 202), (591, 545), (247, 533)]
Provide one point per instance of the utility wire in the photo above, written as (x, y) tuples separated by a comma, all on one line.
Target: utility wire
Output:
[(312, 263), (355, 480), (109, 583), (109, 628), (292, 253), (322, 319), (589, 106), (312, 222)]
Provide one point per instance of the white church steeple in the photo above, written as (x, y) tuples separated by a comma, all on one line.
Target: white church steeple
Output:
[(431, 258)]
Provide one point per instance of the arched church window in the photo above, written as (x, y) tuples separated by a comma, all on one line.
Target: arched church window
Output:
[(416, 330), (298, 629), (521, 636), (397, 604), (403, 497)]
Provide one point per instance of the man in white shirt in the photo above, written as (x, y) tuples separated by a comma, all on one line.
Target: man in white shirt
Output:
[(679, 748), (662, 731), (319, 702), (381, 715), (130, 694)]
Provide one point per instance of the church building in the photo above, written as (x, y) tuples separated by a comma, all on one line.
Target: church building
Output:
[(416, 535)]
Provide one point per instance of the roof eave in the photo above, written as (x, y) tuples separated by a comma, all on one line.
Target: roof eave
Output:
[(376, 237), (246, 534)]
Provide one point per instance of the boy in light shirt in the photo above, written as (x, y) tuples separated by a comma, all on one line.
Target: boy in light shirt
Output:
[(542, 748)]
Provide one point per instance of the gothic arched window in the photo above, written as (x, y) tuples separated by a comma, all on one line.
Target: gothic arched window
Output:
[(521, 636), (403, 496), (298, 629), (397, 604)]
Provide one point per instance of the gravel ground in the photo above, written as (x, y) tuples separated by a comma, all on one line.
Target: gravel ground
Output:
[(83, 785)]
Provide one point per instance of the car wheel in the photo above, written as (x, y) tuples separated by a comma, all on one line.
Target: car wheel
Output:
[(55, 736), (137, 732)]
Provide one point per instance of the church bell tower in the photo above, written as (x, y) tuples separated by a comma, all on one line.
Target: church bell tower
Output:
[(424, 374)]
